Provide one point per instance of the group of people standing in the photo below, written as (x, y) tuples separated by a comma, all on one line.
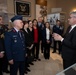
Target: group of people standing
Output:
[(21, 44), (3, 58)]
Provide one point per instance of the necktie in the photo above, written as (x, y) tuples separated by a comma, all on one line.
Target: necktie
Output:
[(69, 28), (19, 32)]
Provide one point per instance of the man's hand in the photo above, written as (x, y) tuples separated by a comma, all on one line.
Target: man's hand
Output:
[(11, 62), (57, 37), (1, 55)]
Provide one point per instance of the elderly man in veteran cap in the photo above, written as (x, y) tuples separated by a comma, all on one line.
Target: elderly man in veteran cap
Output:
[(15, 47)]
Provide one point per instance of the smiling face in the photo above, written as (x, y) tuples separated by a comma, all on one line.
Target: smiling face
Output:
[(47, 25), (26, 26), (30, 24), (35, 23)]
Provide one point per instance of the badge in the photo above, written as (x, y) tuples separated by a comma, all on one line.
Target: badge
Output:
[(14, 35), (15, 40)]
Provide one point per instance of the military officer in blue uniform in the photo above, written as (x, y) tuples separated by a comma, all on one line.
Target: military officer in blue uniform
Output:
[(15, 46), (1, 45), (58, 28), (3, 29)]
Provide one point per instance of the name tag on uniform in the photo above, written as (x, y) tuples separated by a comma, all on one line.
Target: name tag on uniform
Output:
[(14, 35), (15, 38)]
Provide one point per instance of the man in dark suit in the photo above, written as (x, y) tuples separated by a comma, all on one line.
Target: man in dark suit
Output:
[(41, 27), (59, 30), (68, 42), (1, 56), (15, 46), (3, 29), (1, 45)]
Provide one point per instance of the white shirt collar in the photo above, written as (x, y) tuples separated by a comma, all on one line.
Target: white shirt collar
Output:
[(16, 29), (73, 26)]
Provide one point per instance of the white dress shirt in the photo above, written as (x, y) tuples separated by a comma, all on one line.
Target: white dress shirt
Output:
[(72, 27), (47, 34), (16, 29), (69, 31)]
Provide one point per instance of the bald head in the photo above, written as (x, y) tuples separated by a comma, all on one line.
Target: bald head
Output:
[(18, 24)]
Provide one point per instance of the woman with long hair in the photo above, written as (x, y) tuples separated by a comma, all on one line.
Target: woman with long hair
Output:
[(36, 35), (29, 44), (46, 39)]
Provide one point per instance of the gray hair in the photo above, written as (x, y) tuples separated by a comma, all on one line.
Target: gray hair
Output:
[(74, 13)]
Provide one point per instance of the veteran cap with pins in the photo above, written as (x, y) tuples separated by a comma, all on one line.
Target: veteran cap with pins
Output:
[(16, 17)]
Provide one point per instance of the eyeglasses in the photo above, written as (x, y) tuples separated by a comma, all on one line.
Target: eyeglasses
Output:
[(72, 17)]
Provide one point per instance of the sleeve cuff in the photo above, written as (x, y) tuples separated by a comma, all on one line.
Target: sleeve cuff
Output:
[(2, 52), (62, 39)]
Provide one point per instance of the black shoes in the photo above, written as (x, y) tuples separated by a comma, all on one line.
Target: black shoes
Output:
[(39, 59), (59, 53), (31, 63), (53, 52), (27, 69), (28, 65), (34, 60), (26, 72)]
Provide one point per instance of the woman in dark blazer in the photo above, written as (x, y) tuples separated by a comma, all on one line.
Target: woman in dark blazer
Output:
[(29, 44), (46, 39)]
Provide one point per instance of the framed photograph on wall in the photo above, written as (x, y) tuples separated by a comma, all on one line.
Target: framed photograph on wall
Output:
[(22, 8)]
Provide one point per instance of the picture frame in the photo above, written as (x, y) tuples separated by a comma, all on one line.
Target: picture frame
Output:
[(22, 8)]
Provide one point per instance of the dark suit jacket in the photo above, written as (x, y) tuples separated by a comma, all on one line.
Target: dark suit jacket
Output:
[(58, 30), (44, 36), (69, 46), (14, 46), (1, 45), (29, 38)]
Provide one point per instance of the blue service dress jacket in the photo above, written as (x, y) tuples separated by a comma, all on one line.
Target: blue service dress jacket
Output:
[(15, 46), (58, 29)]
